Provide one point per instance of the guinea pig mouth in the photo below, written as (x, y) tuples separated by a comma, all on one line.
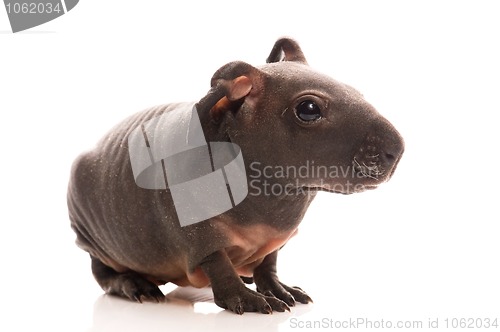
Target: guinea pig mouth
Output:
[(370, 168)]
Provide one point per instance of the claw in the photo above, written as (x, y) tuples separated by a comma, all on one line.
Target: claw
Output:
[(290, 301), (305, 299), (278, 305), (239, 309), (266, 309)]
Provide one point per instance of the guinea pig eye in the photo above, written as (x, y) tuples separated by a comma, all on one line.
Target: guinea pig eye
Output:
[(308, 111)]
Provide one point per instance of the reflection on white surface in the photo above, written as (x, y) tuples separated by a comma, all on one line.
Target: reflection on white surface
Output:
[(186, 309)]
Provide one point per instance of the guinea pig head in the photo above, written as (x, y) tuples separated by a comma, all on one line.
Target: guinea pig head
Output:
[(300, 128)]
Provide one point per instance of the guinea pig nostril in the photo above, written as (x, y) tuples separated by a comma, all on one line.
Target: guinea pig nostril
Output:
[(389, 157)]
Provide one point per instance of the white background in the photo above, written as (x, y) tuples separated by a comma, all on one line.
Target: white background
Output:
[(425, 245)]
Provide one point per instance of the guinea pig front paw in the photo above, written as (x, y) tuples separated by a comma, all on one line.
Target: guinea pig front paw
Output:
[(247, 300), (297, 293), (273, 287)]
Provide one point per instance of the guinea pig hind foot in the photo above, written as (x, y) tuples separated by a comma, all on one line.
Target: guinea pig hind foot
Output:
[(129, 285)]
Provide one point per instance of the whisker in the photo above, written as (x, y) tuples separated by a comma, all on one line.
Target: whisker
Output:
[(373, 171)]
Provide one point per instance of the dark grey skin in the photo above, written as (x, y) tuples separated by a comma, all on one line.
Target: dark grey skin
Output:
[(280, 114)]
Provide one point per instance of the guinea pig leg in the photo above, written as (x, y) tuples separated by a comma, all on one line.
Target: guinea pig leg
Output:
[(267, 281), (231, 293), (128, 284)]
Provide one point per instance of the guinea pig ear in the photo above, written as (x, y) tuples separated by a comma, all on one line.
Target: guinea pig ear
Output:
[(286, 49), (232, 84)]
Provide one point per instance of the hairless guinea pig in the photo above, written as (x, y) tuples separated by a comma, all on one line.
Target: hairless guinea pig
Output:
[(207, 193)]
